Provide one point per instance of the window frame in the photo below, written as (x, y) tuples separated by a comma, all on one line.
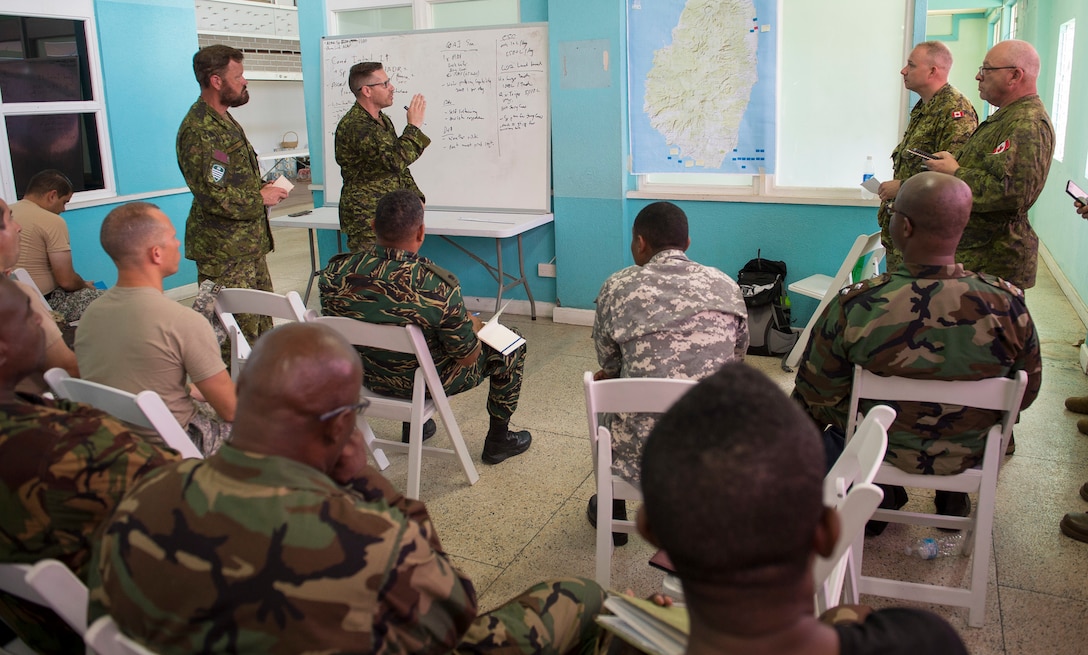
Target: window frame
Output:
[(422, 10), (75, 10)]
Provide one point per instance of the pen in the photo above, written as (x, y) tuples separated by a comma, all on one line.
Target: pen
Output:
[(405, 107)]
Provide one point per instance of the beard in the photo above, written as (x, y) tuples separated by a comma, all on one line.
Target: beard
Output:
[(234, 99)]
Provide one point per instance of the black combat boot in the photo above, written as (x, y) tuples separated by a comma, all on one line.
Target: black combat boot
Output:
[(502, 443)]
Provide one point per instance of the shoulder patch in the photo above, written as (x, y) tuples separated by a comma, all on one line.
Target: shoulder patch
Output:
[(446, 276), (1002, 283), (1001, 147), (851, 290), (956, 113)]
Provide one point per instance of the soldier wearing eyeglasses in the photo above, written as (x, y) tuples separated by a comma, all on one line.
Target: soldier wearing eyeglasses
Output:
[(1005, 162), (373, 159)]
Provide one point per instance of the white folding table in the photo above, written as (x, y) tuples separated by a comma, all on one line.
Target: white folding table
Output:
[(444, 224)]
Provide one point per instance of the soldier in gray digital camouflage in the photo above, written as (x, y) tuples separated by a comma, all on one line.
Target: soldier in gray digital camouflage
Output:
[(665, 317), (286, 541), (930, 319), (1075, 524), (227, 233), (392, 283), (373, 160), (1005, 162), (63, 468), (942, 119)]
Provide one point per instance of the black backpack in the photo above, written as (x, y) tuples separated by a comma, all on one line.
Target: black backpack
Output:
[(763, 285)]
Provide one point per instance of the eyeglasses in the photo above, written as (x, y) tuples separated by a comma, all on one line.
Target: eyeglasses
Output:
[(358, 408), (384, 85), (982, 69)]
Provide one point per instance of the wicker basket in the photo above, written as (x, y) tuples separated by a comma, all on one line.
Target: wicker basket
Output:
[(289, 142)]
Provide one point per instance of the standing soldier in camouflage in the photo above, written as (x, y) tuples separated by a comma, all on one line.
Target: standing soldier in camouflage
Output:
[(227, 233), (286, 541), (665, 317), (373, 159), (1005, 162), (930, 319), (391, 283), (942, 119), (63, 468)]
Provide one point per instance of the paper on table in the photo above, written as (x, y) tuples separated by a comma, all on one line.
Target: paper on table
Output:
[(283, 183), (872, 185), (498, 336)]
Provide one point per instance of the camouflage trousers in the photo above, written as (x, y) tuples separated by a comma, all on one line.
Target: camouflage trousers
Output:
[(249, 273), (71, 304), (207, 430), (892, 258), (357, 220), (555, 616)]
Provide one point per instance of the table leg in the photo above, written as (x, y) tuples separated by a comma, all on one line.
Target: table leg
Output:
[(313, 263), (525, 280), (498, 260)]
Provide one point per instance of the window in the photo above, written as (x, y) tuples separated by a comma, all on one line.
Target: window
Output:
[(1062, 76), (369, 16), (1012, 20), (51, 110)]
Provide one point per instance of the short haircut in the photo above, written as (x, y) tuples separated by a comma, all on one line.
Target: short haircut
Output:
[(213, 60), (398, 216), (129, 230), (732, 481), (662, 225), (360, 73), (49, 180), (4, 209), (938, 53)]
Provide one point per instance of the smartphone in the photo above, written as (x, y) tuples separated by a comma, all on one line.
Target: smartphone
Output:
[(302, 213), (920, 153), (1076, 192)]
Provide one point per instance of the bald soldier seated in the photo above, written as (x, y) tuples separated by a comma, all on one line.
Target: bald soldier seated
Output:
[(744, 552), (930, 319), (63, 468), (285, 541)]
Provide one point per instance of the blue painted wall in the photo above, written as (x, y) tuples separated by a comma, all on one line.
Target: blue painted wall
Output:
[(146, 50)]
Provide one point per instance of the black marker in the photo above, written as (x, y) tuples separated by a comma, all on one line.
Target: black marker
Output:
[(405, 107), (302, 213)]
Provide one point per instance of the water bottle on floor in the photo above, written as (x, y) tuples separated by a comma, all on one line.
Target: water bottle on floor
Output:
[(934, 547)]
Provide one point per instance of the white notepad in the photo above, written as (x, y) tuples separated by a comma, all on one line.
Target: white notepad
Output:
[(498, 336)]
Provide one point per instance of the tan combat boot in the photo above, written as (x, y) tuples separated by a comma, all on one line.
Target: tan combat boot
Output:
[(1078, 404)]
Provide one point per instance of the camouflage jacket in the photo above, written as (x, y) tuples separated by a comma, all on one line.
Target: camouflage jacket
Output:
[(373, 162), (63, 468), (1005, 162), (264, 554), (387, 285), (931, 322), (228, 219), (943, 123), (672, 318)]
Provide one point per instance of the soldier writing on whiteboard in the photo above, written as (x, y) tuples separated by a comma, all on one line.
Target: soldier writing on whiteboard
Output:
[(373, 159)]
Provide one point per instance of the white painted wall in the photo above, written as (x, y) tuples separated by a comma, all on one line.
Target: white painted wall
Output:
[(273, 108)]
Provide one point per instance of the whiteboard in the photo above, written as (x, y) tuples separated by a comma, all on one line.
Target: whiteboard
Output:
[(487, 111)]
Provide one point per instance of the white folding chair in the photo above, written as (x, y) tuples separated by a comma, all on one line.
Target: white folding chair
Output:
[(406, 339), (51, 584), (145, 409), (106, 638), (1001, 394), (848, 488), (824, 288), (21, 275), (640, 395), (251, 301)]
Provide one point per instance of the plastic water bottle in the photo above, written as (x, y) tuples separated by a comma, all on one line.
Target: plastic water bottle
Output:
[(866, 174), (934, 547)]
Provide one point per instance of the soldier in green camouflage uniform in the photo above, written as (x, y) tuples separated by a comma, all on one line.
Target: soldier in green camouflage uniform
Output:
[(1005, 162), (286, 541), (227, 233), (373, 159), (391, 283), (63, 468), (942, 119), (929, 319)]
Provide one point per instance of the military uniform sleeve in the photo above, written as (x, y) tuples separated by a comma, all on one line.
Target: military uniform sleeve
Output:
[(1030, 357), (373, 486), (609, 356), (362, 144), (956, 131), (220, 175), (1007, 180), (455, 329), (825, 376), (740, 346)]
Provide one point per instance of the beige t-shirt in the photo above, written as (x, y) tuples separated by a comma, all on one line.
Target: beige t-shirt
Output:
[(135, 338), (43, 232), (49, 324)]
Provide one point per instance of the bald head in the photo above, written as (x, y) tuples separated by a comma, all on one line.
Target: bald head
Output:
[(1017, 53), (1009, 72), (936, 207), (295, 374)]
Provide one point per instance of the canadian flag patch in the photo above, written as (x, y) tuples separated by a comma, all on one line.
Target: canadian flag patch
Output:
[(1001, 147), (957, 114)]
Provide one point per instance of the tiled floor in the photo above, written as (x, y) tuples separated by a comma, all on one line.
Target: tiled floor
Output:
[(525, 518)]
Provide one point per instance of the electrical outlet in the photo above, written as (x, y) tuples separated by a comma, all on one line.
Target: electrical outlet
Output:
[(545, 270)]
